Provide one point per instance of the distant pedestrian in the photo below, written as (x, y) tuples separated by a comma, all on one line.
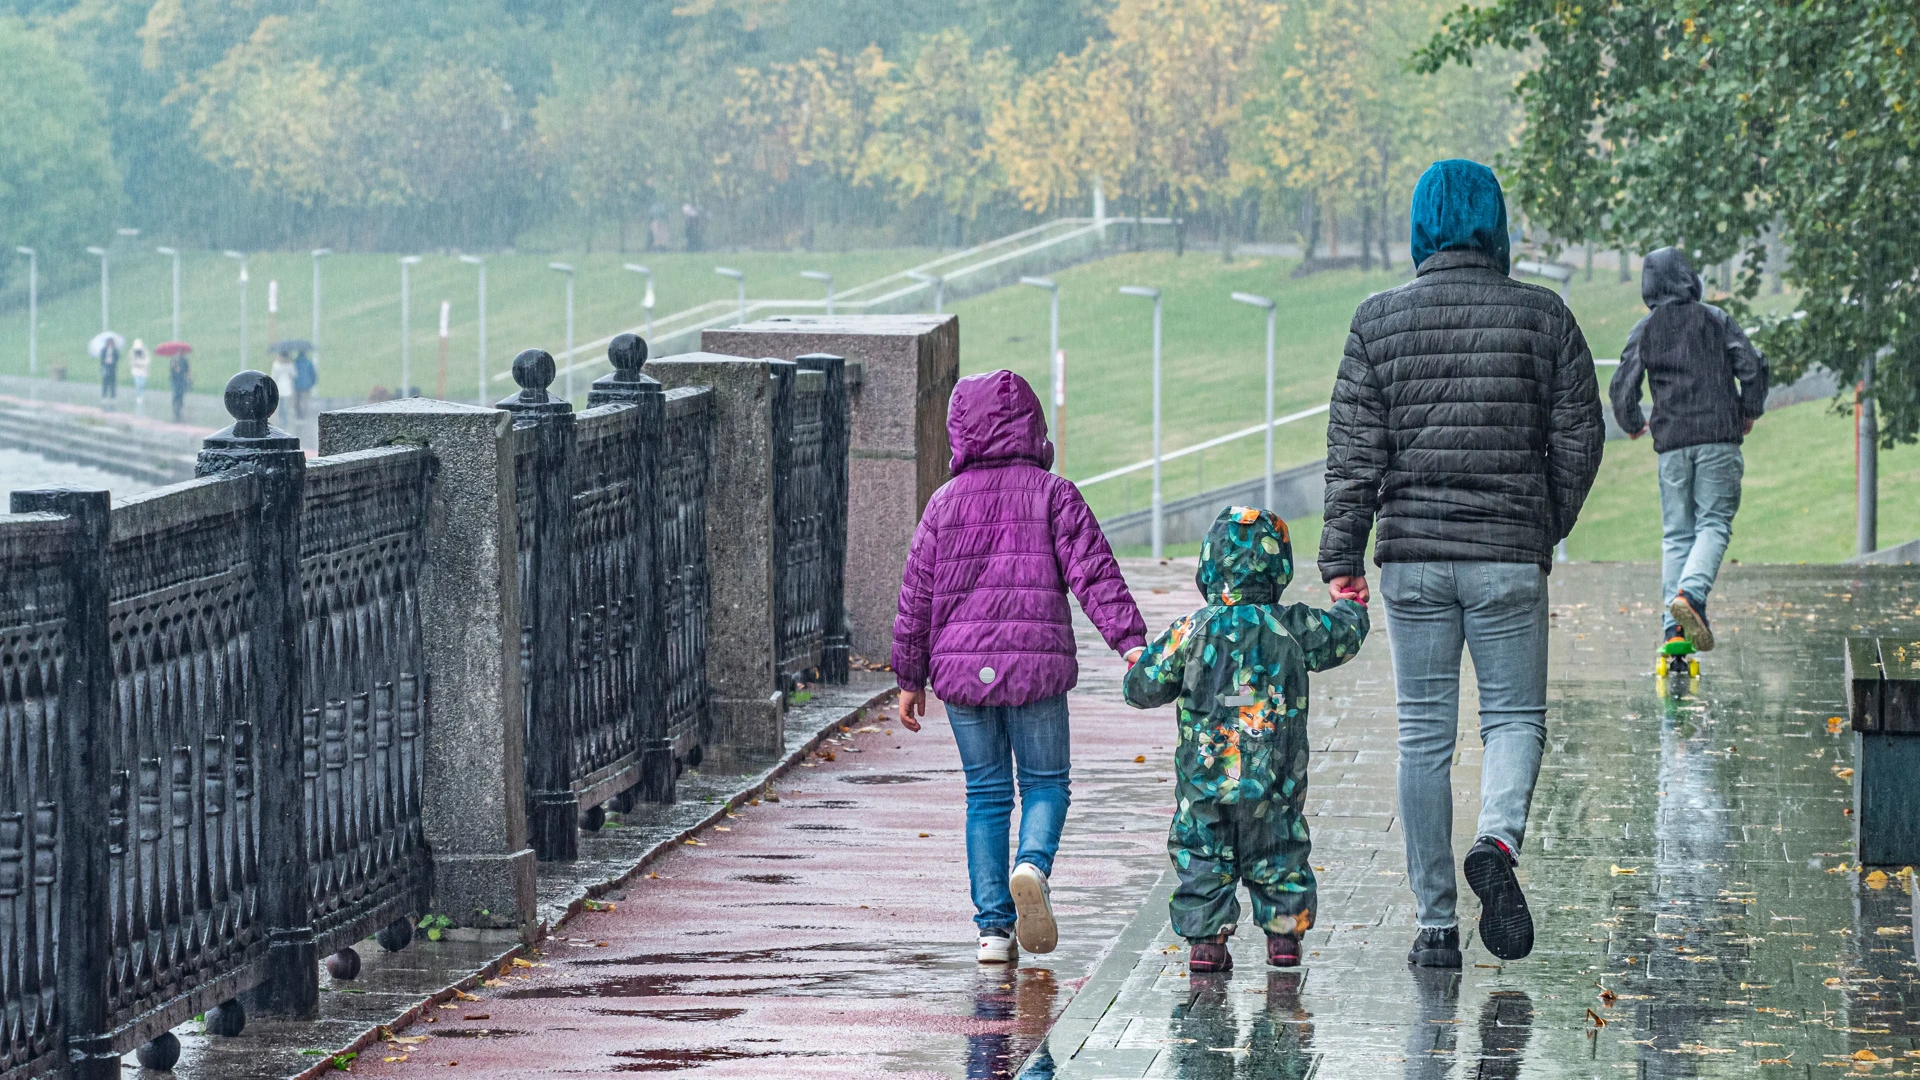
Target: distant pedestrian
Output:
[(282, 375), (1709, 385), (1465, 421), (180, 377), (305, 377), (695, 226), (139, 363), (110, 370), (983, 616), (1238, 669)]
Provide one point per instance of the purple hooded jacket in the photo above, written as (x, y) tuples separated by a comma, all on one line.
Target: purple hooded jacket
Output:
[(983, 601)]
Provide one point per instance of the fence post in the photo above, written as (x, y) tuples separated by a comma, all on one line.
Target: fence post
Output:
[(546, 598), (749, 714), (291, 984), (83, 938), (628, 385), (834, 648), (473, 795), (897, 424)]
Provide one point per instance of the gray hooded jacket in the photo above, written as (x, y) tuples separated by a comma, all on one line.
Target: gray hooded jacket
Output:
[(1690, 355)]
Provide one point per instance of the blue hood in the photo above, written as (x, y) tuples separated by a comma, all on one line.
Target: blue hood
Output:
[(1458, 204)]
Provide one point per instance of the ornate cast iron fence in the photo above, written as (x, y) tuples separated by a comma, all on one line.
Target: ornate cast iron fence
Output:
[(810, 441), (680, 560), (835, 441), (363, 715)]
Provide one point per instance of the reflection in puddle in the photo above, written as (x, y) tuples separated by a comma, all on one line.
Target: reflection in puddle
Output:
[(675, 1060), (883, 778), (1012, 1009), (1226, 1031), (1433, 1036)]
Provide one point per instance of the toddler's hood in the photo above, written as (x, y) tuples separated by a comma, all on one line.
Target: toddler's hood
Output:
[(996, 417), (1246, 558)]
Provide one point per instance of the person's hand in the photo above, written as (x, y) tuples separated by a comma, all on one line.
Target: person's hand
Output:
[(913, 704), (1643, 430), (1352, 587), (1746, 426), (1133, 654)]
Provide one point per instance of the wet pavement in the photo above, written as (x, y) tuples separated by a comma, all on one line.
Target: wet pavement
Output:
[(1690, 864)]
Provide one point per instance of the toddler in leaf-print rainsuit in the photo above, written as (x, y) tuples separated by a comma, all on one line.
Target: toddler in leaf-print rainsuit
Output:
[(1238, 669)]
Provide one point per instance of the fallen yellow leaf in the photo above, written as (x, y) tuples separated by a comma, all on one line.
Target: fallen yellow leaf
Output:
[(1140, 759), (1618, 870), (1877, 880), (924, 835), (522, 963), (1833, 725), (1865, 1055)]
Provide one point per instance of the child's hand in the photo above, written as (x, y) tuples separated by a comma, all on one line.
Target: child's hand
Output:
[(1133, 654), (913, 704), (1352, 588)]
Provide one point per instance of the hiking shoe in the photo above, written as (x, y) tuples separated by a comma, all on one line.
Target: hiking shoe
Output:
[(997, 947), (1692, 620), (1033, 909), (1208, 957), (1283, 950), (1506, 926), (1435, 947)]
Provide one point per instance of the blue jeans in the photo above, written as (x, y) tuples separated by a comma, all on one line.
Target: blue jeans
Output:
[(993, 740), (1499, 612), (1699, 494)]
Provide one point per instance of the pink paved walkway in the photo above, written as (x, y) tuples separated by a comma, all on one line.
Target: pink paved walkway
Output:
[(830, 934)]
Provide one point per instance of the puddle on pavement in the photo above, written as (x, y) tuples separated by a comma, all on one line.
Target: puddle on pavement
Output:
[(473, 1033), (835, 804), (686, 1016), (766, 879), (883, 778), (673, 1060), (809, 826), (769, 856)]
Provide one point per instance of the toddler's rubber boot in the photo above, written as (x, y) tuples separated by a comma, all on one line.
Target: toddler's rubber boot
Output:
[(1209, 957), (1506, 926), (1283, 950)]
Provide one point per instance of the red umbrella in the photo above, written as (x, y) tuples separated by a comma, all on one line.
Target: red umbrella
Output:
[(172, 348)]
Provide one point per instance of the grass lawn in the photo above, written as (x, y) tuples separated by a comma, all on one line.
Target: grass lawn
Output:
[(1212, 354), (360, 308)]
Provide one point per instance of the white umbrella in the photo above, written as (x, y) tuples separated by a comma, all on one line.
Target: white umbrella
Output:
[(99, 343)]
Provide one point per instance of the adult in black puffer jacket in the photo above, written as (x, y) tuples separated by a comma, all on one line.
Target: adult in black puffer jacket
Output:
[(1466, 420)]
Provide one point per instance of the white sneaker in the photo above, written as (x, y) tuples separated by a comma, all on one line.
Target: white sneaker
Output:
[(1033, 909), (998, 949)]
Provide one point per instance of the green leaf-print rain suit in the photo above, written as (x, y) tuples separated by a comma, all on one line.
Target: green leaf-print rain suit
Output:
[(1238, 669)]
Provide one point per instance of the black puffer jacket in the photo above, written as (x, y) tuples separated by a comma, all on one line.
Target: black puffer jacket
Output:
[(1690, 354), (1466, 418)]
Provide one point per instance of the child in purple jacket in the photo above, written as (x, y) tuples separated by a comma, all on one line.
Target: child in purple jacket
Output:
[(984, 617)]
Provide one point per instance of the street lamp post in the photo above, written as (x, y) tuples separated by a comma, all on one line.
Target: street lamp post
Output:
[(646, 300), (407, 262), (1267, 303), (567, 269), (740, 278), (1159, 531), (821, 275), (33, 309), (243, 304), (1057, 363), (939, 287), (481, 262), (314, 338), (174, 254)]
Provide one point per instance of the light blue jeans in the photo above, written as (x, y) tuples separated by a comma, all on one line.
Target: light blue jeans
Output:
[(994, 740), (1499, 612), (1699, 494)]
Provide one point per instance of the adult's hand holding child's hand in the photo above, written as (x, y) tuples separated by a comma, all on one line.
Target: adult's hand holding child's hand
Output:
[(1352, 588), (913, 704)]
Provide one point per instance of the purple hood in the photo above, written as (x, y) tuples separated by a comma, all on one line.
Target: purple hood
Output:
[(996, 418), (983, 602)]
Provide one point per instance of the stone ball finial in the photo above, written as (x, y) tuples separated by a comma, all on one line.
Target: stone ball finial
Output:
[(251, 398), (627, 352), (533, 370)]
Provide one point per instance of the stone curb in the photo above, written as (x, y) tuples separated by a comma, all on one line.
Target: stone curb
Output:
[(756, 787)]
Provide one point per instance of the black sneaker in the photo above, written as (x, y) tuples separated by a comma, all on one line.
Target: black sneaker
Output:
[(1506, 926), (1434, 947)]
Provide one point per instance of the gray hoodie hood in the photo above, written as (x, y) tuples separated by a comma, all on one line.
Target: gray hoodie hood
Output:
[(1667, 278)]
